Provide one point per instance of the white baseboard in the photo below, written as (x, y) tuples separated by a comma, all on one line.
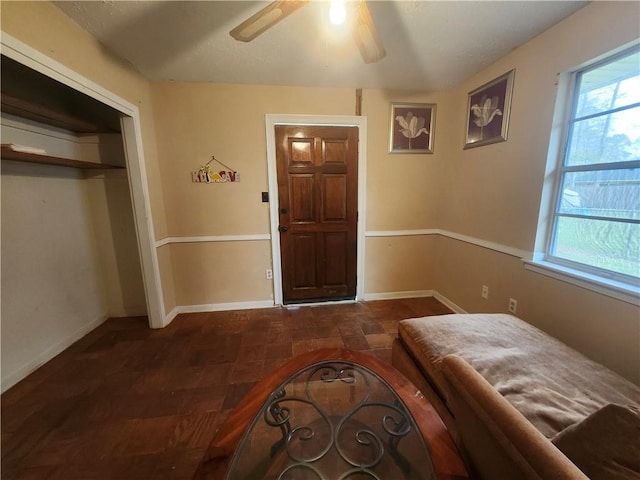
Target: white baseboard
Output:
[(216, 307), (138, 311), (415, 294), (220, 307), (170, 316), (444, 300), (395, 295), (14, 377)]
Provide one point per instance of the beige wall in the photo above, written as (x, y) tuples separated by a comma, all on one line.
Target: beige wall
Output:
[(197, 120), (45, 28), (193, 122), (403, 191), (399, 265), (402, 194), (69, 260), (166, 273), (113, 225), (490, 193), (603, 328), (51, 282), (493, 193), (219, 273), (69, 252)]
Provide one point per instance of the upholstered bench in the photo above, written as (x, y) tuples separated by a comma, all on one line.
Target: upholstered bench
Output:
[(508, 392)]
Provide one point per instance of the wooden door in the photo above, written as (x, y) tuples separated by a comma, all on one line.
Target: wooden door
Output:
[(318, 211)]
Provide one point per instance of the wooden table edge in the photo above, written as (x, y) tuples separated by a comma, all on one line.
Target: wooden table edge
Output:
[(446, 459)]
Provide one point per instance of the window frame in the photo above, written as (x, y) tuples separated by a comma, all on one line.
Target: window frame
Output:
[(569, 120)]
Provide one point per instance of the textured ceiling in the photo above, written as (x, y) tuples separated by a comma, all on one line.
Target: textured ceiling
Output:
[(430, 45)]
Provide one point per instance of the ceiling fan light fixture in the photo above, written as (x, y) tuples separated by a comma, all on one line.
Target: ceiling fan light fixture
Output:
[(337, 12), (367, 44), (265, 19), (362, 28), (252, 30), (366, 36)]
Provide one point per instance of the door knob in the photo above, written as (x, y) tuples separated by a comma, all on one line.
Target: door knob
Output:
[(283, 228), (283, 210)]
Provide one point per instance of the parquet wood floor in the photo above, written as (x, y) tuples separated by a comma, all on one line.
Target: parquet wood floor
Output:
[(129, 402)]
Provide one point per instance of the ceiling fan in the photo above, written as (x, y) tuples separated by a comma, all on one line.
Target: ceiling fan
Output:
[(363, 29)]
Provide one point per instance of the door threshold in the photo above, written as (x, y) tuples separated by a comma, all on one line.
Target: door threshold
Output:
[(316, 303)]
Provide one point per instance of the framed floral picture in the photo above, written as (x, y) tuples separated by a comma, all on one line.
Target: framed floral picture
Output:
[(488, 112), (412, 127)]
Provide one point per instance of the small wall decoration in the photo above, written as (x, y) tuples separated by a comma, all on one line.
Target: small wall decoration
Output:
[(206, 174), (488, 112), (412, 127)]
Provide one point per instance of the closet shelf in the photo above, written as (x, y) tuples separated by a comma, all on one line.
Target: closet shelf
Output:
[(10, 154), (43, 114)]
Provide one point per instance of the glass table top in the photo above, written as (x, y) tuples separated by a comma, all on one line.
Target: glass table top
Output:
[(332, 420)]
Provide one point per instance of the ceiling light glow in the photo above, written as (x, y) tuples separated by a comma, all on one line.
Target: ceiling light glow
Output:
[(337, 12)]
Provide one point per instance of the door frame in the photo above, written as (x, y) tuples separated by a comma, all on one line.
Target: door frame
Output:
[(134, 156), (271, 120)]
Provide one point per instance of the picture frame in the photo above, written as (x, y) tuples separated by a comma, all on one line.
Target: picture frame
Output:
[(488, 109), (412, 127)]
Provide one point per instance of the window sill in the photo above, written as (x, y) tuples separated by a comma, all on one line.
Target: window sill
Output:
[(620, 291)]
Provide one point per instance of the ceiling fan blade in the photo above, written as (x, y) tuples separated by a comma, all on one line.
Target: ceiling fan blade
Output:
[(265, 19), (366, 35)]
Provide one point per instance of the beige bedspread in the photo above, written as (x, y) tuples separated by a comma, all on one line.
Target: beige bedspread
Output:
[(552, 385)]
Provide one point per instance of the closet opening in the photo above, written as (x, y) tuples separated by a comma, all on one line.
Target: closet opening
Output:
[(72, 211)]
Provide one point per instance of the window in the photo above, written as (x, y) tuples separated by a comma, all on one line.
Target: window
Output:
[(596, 221)]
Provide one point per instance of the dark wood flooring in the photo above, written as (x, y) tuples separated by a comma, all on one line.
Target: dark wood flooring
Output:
[(129, 402)]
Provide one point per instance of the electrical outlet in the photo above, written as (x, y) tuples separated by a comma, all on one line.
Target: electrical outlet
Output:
[(269, 273), (485, 292), (513, 305)]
